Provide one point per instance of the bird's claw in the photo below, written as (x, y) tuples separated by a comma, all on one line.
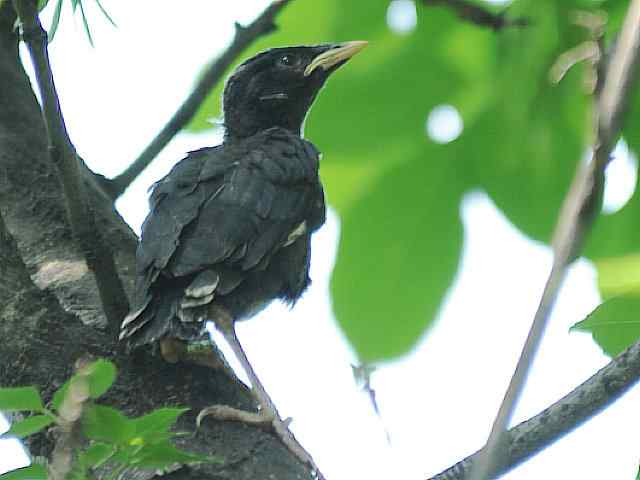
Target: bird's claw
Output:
[(267, 420), (262, 419)]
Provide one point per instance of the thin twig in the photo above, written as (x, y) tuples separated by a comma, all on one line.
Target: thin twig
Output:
[(244, 37), (479, 15), (588, 399), (98, 256), (580, 208)]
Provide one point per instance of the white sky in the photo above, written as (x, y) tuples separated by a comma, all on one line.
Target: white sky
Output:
[(438, 402)]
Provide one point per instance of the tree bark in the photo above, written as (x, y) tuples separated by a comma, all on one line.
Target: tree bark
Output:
[(50, 311)]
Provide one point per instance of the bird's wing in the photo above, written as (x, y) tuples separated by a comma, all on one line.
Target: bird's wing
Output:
[(227, 210)]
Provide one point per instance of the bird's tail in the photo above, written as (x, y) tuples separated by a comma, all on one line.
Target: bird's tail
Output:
[(160, 313)]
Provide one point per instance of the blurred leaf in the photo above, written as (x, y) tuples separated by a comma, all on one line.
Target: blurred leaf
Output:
[(106, 424), (85, 23), (619, 275), (32, 472), (101, 376), (58, 396), (42, 4), (97, 454), (399, 251), (55, 21), (614, 324), (20, 399), (78, 472), (158, 421), (165, 454), (29, 426), (523, 138), (105, 13), (528, 170)]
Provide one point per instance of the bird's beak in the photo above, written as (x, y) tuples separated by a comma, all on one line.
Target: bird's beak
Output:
[(335, 55)]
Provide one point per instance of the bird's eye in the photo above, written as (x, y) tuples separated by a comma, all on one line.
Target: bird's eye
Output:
[(288, 60)]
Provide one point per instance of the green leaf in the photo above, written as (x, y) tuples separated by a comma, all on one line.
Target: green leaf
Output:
[(158, 421), (105, 13), (42, 4), (102, 374), (29, 426), (106, 424), (614, 324), (165, 454), (85, 23), (97, 454), (55, 21), (20, 399), (619, 275), (78, 472), (58, 396), (32, 472), (399, 251), (523, 138)]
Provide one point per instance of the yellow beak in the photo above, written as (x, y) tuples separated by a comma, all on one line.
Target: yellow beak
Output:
[(331, 57)]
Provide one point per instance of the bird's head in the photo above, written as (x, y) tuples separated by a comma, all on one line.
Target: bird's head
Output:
[(277, 87)]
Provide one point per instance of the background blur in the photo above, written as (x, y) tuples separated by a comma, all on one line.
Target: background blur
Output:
[(447, 152)]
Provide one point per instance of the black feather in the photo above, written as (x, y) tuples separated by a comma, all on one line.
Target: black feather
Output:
[(230, 226), (222, 216)]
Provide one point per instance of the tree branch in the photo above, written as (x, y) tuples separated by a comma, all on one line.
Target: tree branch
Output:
[(580, 209), (588, 399), (479, 15), (98, 256), (244, 36)]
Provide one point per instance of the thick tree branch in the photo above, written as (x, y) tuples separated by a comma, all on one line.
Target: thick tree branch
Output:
[(531, 436), (98, 255), (479, 15), (580, 208), (244, 37)]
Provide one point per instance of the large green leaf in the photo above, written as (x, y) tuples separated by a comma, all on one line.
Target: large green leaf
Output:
[(523, 137), (399, 251), (106, 424), (165, 454), (615, 324), (619, 275), (100, 374), (32, 472), (157, 422), (29, 426), (20, 399), (97, 454), (528, 143)]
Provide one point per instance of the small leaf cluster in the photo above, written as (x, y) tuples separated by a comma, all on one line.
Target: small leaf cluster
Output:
[(74, 5), (112, 439)]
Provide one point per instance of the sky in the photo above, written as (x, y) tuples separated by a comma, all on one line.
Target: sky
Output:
[(436, 403)]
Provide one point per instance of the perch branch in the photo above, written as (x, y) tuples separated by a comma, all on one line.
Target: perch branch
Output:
[(479, 15), (588, 399), (244, 36), (580, 209), (98, 256)]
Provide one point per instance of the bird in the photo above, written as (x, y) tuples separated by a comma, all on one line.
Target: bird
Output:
[(229, 228)]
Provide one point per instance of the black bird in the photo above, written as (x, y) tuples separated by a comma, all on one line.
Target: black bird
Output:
[(230, 226)]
